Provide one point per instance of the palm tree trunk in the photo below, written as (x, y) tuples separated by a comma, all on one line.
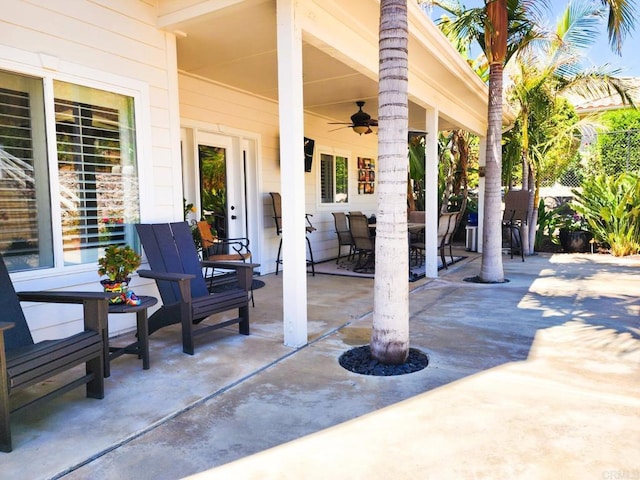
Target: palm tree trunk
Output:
[(390, 332), (447, 162), (491, 269), (534, 202), (462, 169)]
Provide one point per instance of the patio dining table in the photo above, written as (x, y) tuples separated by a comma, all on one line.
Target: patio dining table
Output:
[(413, 229), (411, 226)]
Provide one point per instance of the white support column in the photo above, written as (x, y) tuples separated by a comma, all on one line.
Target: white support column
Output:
[(431, 194), (482, 161), (294, 292)]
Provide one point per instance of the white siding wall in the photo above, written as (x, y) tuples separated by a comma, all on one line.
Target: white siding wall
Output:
[(114, 45), (207, 103)]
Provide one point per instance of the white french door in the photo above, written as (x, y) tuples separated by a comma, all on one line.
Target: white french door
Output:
[(220, 177), (221, 183)]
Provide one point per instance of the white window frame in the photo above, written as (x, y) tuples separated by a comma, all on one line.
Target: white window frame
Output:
[(77, 74), (334, 152)]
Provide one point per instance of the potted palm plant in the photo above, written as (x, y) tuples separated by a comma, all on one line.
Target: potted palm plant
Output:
[(118, 263)]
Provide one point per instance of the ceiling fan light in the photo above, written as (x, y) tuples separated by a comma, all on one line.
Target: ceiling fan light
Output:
[(360, 129)]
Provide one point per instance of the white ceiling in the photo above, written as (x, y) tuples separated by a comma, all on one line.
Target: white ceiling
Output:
[(236, 46)]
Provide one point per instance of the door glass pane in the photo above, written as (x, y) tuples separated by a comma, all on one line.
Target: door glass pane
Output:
[(97, 170), (25, 218), (213, 187)]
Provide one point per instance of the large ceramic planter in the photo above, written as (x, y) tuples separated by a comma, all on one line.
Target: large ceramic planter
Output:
[(575, 241)]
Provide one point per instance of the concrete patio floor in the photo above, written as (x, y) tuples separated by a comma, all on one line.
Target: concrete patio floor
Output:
[(532, 379)]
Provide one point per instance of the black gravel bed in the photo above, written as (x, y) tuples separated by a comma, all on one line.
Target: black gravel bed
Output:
[(476, 279), (359, 360)]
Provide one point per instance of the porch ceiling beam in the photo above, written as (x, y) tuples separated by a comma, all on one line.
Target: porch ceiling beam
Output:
[(438, 76), (340, 36), (466, 111)]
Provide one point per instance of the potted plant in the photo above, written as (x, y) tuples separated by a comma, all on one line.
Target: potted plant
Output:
[(117, 263), (574, 234)]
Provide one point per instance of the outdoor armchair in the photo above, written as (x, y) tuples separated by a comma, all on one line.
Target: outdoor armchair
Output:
[(177, 270), (25, 363)]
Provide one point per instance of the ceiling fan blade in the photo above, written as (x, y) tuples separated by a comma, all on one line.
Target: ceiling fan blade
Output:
[(340, 123), (340, 128)]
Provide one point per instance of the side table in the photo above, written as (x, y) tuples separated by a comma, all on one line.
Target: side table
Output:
[(141, 346)]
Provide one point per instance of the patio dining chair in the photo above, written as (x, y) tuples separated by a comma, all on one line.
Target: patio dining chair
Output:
[(516, 212), (344, 235), (447, 225), (277, 218), (364, 242), (416, 237), (416, 216)]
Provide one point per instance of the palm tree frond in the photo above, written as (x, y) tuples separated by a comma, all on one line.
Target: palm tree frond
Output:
[(620, 22), (599, 84), (579, 25)]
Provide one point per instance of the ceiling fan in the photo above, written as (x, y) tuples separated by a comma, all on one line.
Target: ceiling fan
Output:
[(361, 122)]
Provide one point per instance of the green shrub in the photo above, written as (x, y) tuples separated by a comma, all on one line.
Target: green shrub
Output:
[(611, 206), (548, 223)]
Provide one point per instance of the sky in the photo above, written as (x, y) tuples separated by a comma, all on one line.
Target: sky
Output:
[(600, 53)]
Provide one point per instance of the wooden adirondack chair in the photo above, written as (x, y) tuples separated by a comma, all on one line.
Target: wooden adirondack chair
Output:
[(177, 270), (24, 363)]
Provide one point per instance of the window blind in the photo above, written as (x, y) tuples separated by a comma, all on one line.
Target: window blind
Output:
[(18, 213), (326, 178), (96, 170)]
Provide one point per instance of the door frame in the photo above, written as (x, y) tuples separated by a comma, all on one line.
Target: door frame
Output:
[(246, 149)]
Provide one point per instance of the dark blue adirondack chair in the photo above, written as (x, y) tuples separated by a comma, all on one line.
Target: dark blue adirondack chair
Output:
[(177, 270), (24, 363)]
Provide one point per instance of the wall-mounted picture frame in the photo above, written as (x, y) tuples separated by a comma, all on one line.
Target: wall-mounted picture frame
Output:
[(366, 176)]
